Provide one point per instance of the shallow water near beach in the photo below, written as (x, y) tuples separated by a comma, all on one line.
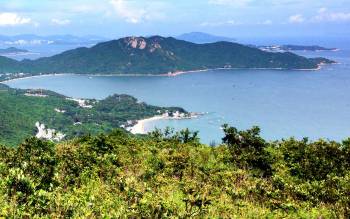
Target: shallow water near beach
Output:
[(283, 103)]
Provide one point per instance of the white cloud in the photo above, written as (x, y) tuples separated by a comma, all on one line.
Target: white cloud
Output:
[(325, 15), (60, 22), (129, 13), (322, 10), (230, 2), (297, 18), (89, 8), (266, 22), (83, 8), (233, 23), (13, 19), (255, 3)]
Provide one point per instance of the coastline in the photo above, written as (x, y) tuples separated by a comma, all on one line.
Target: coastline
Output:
[(33, 76), (172, 74), (139, 127)]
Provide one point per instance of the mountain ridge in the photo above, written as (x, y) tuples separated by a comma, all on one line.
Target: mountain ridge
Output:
[(159, 55), (35, 40), (12, 50)]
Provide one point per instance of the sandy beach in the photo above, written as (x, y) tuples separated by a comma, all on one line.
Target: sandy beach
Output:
[(34, 76), (139, 128), (170, 74)]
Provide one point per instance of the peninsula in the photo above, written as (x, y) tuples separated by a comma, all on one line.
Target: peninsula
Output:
[(291, 48), (48, 115), (156, 55)]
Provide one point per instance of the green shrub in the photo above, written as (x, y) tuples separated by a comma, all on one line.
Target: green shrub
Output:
[(172, 175)]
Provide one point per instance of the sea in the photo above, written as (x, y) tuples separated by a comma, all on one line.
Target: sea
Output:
[(283, 103)]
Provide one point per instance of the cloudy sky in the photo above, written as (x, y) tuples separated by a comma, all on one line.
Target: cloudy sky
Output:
[(239, 18)]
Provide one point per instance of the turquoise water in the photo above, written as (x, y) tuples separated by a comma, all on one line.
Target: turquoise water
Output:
[(283, 103)]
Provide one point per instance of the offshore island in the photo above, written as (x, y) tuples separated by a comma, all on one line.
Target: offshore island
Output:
[(156, 56)]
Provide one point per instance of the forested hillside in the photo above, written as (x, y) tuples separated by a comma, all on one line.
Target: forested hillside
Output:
[(157, 55), (21, 109)]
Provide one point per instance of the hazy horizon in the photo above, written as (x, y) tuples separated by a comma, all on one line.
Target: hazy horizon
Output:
[(231, 18)]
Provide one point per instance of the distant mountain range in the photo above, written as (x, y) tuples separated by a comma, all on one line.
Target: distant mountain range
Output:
[(158, 55), (12, 50), (35, 40), (199, 37)]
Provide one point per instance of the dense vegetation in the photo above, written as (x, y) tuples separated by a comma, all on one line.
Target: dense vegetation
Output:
[(9, 65), (19, 113), (166, 175), (158, 55)]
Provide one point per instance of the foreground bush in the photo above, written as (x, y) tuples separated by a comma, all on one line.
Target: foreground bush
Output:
[(173, 175)]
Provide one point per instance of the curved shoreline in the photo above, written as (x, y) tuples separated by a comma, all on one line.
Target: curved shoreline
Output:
[(173, 74), (139, 127)]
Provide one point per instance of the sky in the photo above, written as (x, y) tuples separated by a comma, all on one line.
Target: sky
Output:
[(234, 18)]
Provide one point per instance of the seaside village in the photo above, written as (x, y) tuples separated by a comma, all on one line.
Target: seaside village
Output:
[(10, 76)]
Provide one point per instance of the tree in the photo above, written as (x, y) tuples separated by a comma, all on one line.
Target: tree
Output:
[(247, 148), (38, 159)]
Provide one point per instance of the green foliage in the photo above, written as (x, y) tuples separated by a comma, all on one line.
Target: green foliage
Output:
[(183, 136), (247, 148), (315, 160), (19, 113), (37, 159), (171, 175)]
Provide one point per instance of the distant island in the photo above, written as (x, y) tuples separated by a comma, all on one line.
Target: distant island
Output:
[(287, 48), (35, 40), (199, 37), (48, 115), (12, 51), (157, 56)]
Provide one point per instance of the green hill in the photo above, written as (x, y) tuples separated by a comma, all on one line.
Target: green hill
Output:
[(21, 109), (8, 65), (159, 55)]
